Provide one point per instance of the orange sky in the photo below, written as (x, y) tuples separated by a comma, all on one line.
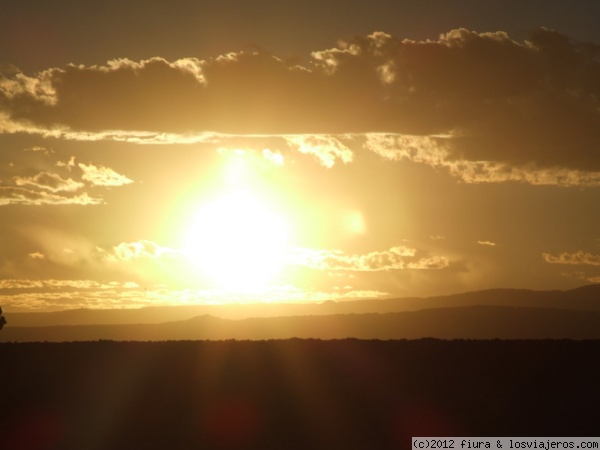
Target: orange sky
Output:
[(403, 149)]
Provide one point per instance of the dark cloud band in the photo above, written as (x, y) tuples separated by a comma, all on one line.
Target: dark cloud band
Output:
[(492, 98)]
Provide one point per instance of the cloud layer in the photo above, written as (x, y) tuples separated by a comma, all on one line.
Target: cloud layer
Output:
[(577, 258), (42, 179), (492, 98), (396, 258)]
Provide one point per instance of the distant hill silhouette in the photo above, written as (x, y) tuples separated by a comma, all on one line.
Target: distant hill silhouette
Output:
[(586, 298), (470, 322)]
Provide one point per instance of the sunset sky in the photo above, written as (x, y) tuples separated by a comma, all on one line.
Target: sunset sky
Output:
[(181, 152)]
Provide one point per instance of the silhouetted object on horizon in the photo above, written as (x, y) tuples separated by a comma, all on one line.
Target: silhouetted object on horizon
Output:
[(2, 319)]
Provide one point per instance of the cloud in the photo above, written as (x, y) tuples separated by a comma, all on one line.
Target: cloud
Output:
[(57, 284), (40, 149), (61, 248), (54, 253), (60, 294), (396, 258), (102, 176), (54, 295), (328, 149), (22, 196), (127, 251), (505, 110), (488, 243), (577, 258), (49, 181), (45, 251), (88, 98), (22, 182), (273, 156), (435, 151), (581, 276)]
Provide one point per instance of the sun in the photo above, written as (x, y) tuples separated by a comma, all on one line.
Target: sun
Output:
[(237, 240)]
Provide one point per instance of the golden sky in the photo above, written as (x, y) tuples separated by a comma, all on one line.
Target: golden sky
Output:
[(179, 153)]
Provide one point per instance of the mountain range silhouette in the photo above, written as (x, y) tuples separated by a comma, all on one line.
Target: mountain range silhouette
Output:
[(489, 314)]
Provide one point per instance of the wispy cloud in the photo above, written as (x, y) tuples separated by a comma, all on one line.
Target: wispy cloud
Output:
[(102, 176), (127, 251), (58, 254), (436, 151), (56, 184), (62, 284), (51, 294), (40, 149), (396, 258), (49, 181), (577, 258), (22, 196), (328, 149), (60, 294), (273, 156)]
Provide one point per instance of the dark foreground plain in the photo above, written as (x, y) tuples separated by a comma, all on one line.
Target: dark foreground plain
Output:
[(293, 394)]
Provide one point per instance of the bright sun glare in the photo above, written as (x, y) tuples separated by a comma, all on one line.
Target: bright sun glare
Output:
[(238, 240)]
